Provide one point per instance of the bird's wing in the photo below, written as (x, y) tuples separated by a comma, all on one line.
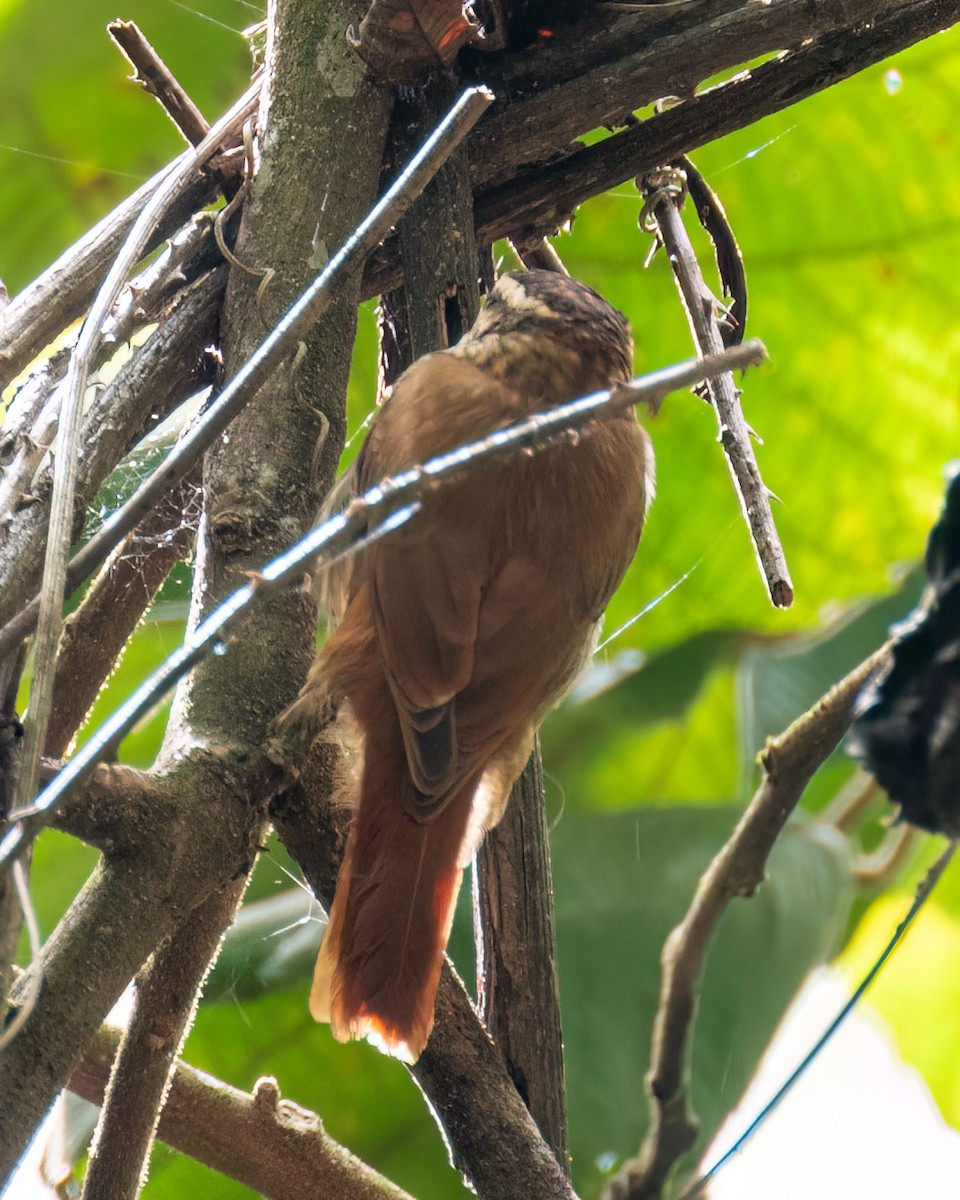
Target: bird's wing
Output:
[(427, 583)]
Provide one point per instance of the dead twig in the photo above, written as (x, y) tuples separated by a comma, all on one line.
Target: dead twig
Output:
[(158, 80), (789, 762), (664, 192)]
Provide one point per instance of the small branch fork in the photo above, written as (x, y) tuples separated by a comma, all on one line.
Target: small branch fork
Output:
[(377, 513), (664, 190), (60, 531), (274, 1146), (262, 364), (152, 72), (789, 762)]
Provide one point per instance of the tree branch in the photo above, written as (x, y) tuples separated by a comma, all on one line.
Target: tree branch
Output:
[(519, 990), (273, 1146), (789, 762), (161, 374), (664, 196), (156, 78), (544, 199), (167, 992), (460, 1071), (95, 634), (135, 898)]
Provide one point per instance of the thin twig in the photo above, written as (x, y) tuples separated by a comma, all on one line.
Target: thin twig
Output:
[(789, 762), (273, 1146), (924, 888), (664, 197), (94, 635), (152, 72), (60, 529), (21, 885), (380, 511), (159, 376), (281, 341), (166, 998)]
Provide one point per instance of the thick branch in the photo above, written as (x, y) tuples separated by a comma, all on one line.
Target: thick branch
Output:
[(273, 1146), (131, 903), (789, 763), (544, 199), (577, 83)]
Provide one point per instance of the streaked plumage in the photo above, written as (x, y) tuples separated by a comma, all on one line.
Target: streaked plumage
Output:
[(456, 636)]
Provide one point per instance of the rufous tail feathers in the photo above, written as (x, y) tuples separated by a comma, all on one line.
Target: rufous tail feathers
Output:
[(381, 956)]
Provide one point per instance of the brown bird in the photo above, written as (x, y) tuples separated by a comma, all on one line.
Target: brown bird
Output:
[(457, 635)]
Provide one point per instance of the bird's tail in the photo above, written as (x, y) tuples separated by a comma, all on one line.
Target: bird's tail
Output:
[(381, 956)]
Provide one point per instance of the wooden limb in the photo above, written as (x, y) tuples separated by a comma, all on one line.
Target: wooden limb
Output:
[(663, 199), (161, 374), (519, 990), (167, 992), (789, 762), (95, 634), (112, 810), (11, 918), (273, 1146), (439, 297), (579, 82), (158, 80), (545, 198), (133, 901), (460, 1072), (62, 293)]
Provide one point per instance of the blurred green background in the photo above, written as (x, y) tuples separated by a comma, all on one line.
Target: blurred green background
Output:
[(848, 213)]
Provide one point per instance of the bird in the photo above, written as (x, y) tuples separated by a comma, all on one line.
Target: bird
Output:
[(456, 635)]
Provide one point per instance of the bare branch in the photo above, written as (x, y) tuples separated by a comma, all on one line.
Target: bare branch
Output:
[(114, 808), (160, 375), (95, 634), (152, 72), (544, 199), (285, 336), (519, 992), (664, 196), (789, 762), (132, 902), (460, 1071), (167, 993), (273, 1146), (375, 514)]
